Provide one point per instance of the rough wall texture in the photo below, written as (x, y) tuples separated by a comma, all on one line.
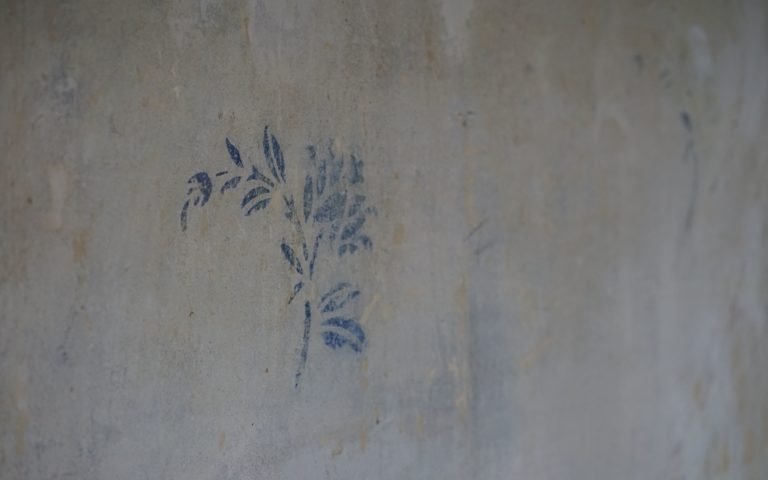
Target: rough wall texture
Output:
[(526, 239)]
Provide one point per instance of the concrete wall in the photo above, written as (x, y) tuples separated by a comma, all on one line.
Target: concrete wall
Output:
[(558, 271)]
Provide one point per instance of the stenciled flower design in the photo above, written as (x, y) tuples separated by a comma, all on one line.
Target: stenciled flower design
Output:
[(331, 213)]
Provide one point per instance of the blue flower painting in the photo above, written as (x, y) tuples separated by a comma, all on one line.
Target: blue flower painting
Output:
[(329, 215)]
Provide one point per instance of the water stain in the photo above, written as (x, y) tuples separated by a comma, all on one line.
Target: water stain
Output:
[(222, 439)]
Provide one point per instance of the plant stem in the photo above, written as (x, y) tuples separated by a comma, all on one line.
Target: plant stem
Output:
[(296, 221), (305, 345)]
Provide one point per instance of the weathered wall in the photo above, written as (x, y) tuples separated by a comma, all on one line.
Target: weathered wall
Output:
[(560, 258)]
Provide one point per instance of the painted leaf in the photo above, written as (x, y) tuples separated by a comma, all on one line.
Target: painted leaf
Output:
[(290, 209), (253, 193), (321, 178), (234, 153), (257, 175), (314, 254), (307, 197), (339, 287), (183, 216), (357, 204), (277, 152), (337, 165), (230, 184), (261, 204), (296, 290), (268, 154), (356, 171), (334, 340), (347, 248), (334, 304), (334, 232), (332, 208), (291, 257), (352, 228), (202, 183), (342, 331)]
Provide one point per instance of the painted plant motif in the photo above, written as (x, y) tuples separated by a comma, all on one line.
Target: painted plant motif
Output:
[(331, 214)]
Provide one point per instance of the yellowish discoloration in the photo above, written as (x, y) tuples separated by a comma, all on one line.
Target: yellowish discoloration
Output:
[(528, 303), (698, 394), (460, 367), (429, 47), (364, 373), (724, 461), (369, 308), (22, 415), (363, 437), (80, 246), (203, 225), (337, 450), (461, 395), (738, 374), (58, 183), (87, 321), (539, 349), (22, 422), (222, 439), (749, 447), (765, 427), (461, 299), (420, 423), (398, 235)]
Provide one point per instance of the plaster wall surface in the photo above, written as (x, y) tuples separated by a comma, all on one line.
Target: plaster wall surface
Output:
[(558, 268)]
